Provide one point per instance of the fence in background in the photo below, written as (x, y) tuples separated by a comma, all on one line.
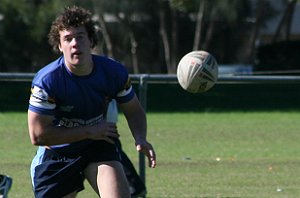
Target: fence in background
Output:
[(164, 78), (142, 81)]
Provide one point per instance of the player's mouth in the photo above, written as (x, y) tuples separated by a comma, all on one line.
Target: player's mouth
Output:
[(76, 54)]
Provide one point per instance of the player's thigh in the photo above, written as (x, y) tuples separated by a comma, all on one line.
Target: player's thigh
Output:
[(91, 174), (109, 178)]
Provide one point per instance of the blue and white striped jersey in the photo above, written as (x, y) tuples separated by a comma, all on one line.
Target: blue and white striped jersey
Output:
[(79, 100)]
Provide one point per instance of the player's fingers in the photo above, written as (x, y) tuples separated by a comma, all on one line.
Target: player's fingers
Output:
[(112, 127), (144, 149), (149, 152), (110, 130), (109, 140), (113, 134), (152, 158)]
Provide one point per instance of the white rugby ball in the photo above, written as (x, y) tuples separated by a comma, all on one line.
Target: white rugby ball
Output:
[(197, 71)]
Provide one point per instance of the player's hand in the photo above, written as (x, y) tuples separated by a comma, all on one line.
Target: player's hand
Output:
[(147, 149), (104, 131)]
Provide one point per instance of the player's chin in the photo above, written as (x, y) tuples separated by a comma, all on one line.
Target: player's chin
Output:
[(76, 62), (77, 59)]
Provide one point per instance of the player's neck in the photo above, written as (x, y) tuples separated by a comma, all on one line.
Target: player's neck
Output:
[(81, 69)]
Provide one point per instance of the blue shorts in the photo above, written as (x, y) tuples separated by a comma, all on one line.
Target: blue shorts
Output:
[(57, 173)]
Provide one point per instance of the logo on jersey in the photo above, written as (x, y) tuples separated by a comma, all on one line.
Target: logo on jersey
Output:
[(128, 84), (127, 89), (66, 108), (39, 93), (74, 122)]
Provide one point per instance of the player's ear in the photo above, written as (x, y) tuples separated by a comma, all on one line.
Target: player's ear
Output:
[(59, 47), (92, 43)]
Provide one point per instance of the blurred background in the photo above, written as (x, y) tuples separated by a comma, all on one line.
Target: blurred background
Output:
[(150, 36)]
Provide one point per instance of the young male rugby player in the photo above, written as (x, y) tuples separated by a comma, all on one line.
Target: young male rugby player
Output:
[(66, 115)]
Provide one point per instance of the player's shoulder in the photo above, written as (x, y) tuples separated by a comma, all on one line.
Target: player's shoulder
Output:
[(49, 72), (107, 63)]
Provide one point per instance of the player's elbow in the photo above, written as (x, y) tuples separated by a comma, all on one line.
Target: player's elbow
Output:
[(39, 127), (36, 138), (36, 141)]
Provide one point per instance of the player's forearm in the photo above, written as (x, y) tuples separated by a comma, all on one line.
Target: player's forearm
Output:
[(43, 132), (138, 126), (54, 135), (136, 118)]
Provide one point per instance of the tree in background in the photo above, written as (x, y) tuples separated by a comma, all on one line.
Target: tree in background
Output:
[(285, 21), (129, 16), (23, 30), (212, 26), (126, 32), (148, 36), (13, 35), (281, 55)]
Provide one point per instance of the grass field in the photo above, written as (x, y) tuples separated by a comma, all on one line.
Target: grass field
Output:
[(228, 154)]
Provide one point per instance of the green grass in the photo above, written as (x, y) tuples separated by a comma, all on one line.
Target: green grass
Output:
[(234, 154)]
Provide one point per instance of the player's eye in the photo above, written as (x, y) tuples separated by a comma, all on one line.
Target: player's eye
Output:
[(68, 39), (79, 37)]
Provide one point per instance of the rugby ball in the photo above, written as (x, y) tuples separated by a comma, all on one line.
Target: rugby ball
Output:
[(197, 71)]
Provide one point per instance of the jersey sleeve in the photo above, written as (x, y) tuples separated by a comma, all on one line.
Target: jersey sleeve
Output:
[(40, 101), (126, 93)]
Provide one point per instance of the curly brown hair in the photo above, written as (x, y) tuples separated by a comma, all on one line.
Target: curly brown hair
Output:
[(72, 17)]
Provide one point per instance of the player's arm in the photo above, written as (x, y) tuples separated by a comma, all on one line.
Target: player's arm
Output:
[(42, 131), (136, 118)]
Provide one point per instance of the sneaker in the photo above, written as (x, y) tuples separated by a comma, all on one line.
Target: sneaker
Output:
[(5, 185)]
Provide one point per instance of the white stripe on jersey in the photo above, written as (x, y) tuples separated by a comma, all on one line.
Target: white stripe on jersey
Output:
[(59, 146), (124, 92), (41, 104), (39, 98)]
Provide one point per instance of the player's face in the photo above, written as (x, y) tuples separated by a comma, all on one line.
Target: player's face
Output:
[(75, 46)]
